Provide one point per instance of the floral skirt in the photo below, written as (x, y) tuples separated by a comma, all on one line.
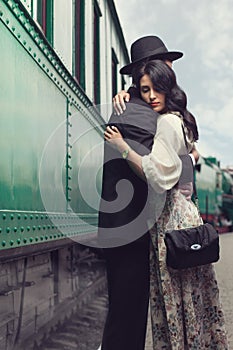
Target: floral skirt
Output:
[(185, 308)]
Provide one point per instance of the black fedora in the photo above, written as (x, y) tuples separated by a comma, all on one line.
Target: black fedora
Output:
[(149, 47)]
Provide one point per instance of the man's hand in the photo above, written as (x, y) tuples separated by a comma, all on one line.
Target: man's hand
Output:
[(119, 101), (186, 190), (195, 154)]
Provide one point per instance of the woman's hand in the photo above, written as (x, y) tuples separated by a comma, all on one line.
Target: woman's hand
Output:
[(119, 101), (114, 137)]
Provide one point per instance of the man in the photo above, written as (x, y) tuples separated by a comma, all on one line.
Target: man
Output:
[(123, 231)]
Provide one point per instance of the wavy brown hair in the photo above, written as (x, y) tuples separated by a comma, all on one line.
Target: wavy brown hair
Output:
[(164, 81)]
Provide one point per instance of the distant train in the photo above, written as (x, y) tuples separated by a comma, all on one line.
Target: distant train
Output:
[(215, 193)]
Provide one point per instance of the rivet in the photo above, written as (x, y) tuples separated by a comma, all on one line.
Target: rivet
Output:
[(8, 229), (15, 229), (44, 227), (48, 227), (41, 238), (11, 242), (36, 238), (55, 236), (3, 243), (31, 239), (4, 216), (18, 240), (39, 227), (28, 228), (13, 29), (46, 237), (12, 216), (51, 236), (25, 240), (25, 216), (21, 228), (18, 35), (33, 227), (7, 21), (37, 216), (19, 216)]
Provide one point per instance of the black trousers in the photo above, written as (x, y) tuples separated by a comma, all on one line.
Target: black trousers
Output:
[(128, 288)]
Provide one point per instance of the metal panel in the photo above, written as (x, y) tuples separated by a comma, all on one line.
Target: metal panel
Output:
[(36, 94)]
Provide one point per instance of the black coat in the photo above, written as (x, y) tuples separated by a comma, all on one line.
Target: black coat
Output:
[(126, 220)]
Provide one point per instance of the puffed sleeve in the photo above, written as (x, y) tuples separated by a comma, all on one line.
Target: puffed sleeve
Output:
[(162, 167)]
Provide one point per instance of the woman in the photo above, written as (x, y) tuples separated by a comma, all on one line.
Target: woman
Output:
[(185, 306)]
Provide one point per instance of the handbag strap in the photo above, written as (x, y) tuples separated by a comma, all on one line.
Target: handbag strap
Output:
[(195, 196)]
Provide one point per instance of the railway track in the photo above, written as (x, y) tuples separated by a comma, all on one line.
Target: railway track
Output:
[(83, 331), (78, 323)]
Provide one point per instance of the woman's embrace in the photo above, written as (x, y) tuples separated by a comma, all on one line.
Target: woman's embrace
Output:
[(185, 306)]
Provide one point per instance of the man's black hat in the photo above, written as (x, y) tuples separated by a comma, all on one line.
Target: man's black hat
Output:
[(149, 47)]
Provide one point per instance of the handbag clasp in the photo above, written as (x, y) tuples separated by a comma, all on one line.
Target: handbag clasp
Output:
[(195, 246)]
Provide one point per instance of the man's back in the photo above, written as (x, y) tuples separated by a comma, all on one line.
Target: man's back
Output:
[(124, 194)]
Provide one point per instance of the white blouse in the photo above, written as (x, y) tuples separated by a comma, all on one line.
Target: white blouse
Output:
[(162, 167)]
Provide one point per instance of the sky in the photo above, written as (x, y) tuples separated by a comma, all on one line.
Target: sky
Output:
[(203, 31)]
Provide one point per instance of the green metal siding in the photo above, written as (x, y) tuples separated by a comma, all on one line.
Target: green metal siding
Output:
[(37, 93)]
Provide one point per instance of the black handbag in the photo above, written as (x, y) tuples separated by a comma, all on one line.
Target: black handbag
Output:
[(192, 246)]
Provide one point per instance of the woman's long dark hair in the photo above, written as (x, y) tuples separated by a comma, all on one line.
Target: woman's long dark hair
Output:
[(164, 81)]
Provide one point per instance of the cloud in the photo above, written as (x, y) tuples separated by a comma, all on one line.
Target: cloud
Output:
[(211, 26)]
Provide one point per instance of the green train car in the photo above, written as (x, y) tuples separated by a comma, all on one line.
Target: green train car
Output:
[(215, 193), (59, 61)]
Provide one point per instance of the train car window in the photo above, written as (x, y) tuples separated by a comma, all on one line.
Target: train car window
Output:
[(114, 73), (96, 48), (45, 18), (79, 38), (219, 181)]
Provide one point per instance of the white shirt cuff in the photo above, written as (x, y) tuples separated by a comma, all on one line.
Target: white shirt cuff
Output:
[(193, 159)]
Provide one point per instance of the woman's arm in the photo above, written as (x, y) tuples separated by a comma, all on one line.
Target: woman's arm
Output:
[(162, 167), (114, 137)]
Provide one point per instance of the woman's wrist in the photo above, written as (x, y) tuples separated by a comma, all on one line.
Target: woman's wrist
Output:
[(122, 146)]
